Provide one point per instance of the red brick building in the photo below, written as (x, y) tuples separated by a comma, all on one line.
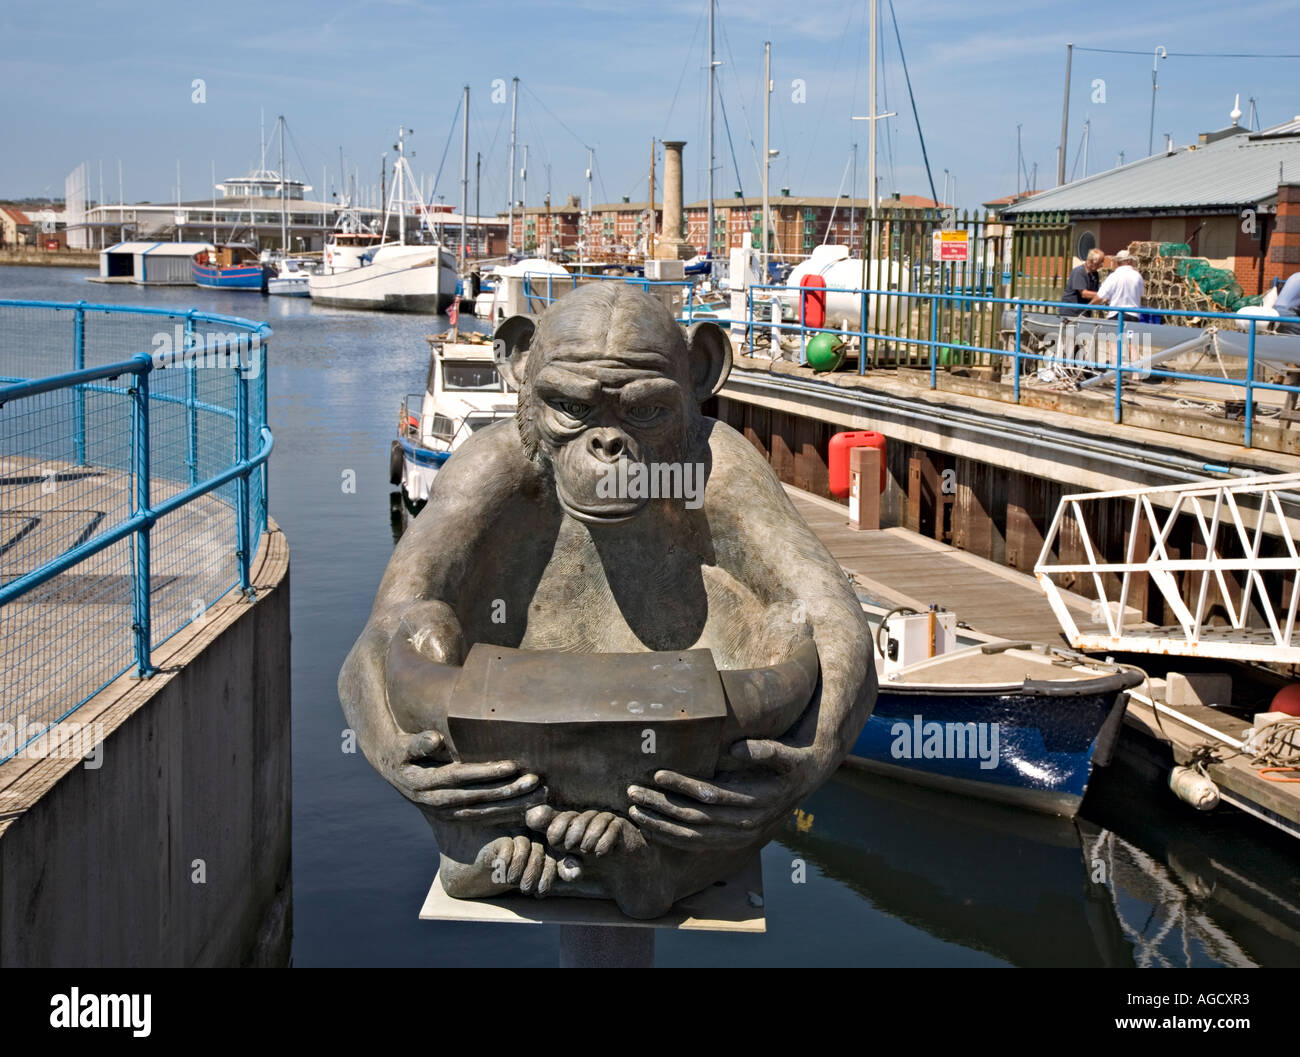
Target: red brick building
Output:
[(797, 224)]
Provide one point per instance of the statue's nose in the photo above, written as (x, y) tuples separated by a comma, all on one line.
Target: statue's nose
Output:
[(606, 444)]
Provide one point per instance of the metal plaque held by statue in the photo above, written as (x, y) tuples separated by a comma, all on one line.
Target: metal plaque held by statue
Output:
[(635, 712)]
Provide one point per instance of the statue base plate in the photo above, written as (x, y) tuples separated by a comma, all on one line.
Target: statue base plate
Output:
[(726, 906)]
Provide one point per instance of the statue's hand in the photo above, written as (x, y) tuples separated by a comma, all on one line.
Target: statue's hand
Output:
[(692, 813), (420, 768), (590, 832)]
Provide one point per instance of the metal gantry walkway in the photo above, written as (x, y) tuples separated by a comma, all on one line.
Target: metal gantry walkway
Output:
[(1234, 601)]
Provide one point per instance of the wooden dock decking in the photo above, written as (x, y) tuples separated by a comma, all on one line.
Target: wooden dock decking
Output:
[(905, 568)]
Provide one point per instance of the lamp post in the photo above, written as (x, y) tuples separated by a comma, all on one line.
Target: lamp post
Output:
[(1160, 53)]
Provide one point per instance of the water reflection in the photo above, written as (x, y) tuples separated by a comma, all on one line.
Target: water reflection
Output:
[(1039, 891)]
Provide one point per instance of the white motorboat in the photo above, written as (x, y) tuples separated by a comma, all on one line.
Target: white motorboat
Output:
[(463, 393), (289, 275)]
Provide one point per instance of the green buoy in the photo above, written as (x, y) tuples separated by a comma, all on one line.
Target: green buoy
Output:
[(825, 352)]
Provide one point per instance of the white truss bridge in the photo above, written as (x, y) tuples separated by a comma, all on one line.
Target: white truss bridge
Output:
[(1234, 602)]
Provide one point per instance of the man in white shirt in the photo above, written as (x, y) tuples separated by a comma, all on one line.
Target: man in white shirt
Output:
[(1123, 287)]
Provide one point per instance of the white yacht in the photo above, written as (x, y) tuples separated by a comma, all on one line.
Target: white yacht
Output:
[(362, 269)]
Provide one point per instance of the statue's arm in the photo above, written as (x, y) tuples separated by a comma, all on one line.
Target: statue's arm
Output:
[(784, 562), (760, 539), (413, 624)]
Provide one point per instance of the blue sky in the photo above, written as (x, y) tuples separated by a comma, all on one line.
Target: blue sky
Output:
[(103, 82)]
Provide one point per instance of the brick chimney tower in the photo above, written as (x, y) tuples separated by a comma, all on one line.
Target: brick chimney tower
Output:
[(671, 245), (1284, 246)]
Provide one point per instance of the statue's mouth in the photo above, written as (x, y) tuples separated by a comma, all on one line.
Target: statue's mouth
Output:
[(610, 513)]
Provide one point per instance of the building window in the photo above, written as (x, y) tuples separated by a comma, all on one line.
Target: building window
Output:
[(1086, 244)]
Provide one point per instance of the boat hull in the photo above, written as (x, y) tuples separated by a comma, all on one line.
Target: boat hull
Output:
[(430, 304), (288, 287), (1028, 749), (420, 466), (242, 277), (390, 284)]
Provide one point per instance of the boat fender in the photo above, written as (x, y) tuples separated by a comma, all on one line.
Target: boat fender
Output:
[(1194, 787)]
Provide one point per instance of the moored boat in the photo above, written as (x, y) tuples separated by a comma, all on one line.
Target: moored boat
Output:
[(228, 268), (463, 393), (363, 269), (1016, 722), (288, 276)]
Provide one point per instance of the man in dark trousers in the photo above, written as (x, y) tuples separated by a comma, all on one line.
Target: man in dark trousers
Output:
[(1081, 290)]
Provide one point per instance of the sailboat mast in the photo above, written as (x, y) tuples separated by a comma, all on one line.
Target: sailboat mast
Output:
[(284, 220), (767, 153), (650, 241), (401, 185), (871, 111), (510, 213), (708, 236), (464, 175)]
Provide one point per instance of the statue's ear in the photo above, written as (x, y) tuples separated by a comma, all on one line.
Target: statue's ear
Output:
[(510, 344), (710, 352)]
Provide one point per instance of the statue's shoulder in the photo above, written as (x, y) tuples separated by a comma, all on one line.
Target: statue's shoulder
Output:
[(490, 463), (731, 451)]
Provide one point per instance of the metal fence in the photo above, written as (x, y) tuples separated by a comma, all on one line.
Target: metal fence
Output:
[(955, 327), (133, 492)]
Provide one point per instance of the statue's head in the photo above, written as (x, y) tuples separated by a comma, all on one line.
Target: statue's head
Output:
[(607, 376)]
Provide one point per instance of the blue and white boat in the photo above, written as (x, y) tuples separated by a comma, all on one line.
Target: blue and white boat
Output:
[(1016, 722), (228, 268), (464, 392)]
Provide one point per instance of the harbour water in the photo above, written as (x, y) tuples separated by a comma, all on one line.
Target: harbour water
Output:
[(868, 872)]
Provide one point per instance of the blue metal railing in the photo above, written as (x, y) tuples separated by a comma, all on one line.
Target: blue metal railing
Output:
[(1017, 355), (934, 342), (131, 432)]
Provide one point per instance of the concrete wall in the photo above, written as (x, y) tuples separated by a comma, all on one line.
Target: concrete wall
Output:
[(98, 867)]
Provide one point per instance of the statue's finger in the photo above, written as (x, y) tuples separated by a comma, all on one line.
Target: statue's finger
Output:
[(704, 792), (539, 817), (505, 811), (549, 870), (520, 849), (668, 832), (684, 836), (423, 746), (577, 828), (675, 809), (569, 868), (533, 871), (596, 829), (610, 838), (497, 851), (451, 775), (555, 831), (456, 784), (774, 755)]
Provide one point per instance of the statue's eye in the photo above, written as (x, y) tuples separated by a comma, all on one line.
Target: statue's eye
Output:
[(644, 413), (572, 408)]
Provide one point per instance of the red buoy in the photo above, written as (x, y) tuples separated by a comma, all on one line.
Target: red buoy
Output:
[(838, 463), (1287, 700), (814, 300)]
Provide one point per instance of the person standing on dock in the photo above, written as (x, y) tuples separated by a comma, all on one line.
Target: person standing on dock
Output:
[(1123, 287), (1081, 290), (1288, 305)]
